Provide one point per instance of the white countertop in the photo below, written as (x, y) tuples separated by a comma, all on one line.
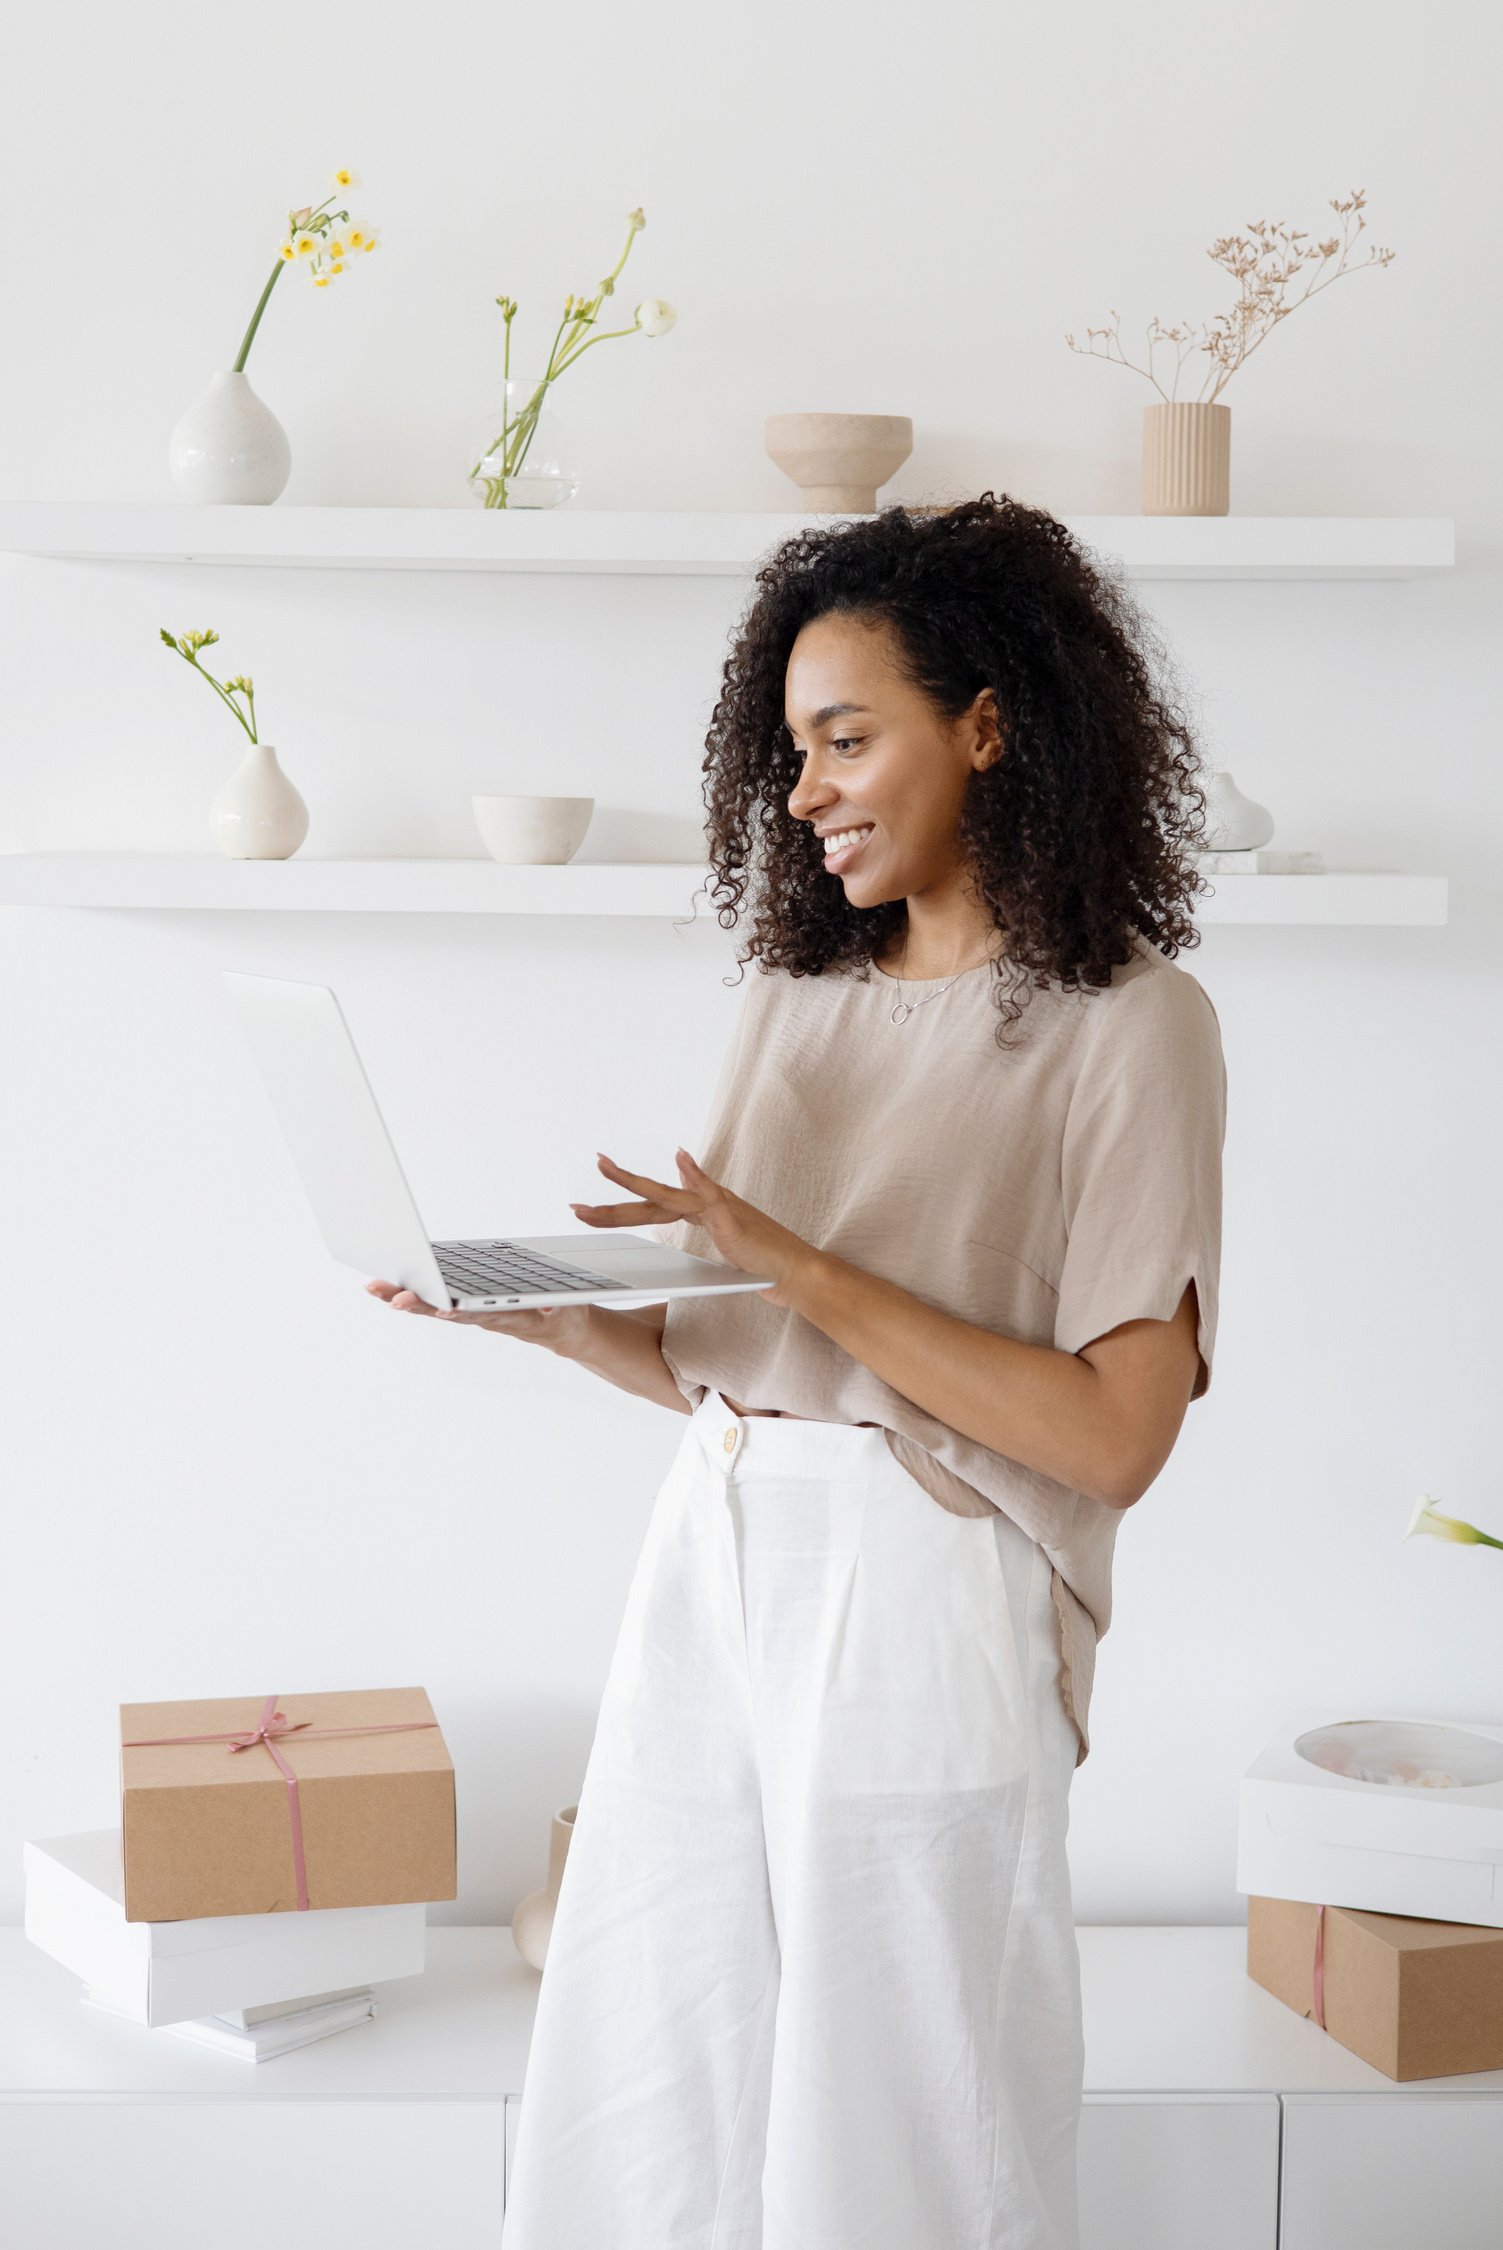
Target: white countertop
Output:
[(1168, 2009)]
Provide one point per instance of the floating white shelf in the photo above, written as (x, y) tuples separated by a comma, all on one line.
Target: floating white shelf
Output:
[(303, 885), (680, 543)]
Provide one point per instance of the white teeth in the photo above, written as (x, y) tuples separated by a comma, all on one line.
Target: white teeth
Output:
[(838, 842)]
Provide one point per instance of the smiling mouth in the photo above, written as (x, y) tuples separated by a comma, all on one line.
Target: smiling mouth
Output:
[(846, 843)]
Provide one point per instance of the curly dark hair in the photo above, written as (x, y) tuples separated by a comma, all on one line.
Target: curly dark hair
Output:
[(1080, 836)]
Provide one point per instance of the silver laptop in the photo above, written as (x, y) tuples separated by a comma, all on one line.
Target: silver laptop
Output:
[(365, 1209)]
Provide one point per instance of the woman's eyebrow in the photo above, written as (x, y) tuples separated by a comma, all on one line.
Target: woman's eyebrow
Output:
[(828, 711)]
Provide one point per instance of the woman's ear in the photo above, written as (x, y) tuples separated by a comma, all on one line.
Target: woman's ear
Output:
[(992, 740)]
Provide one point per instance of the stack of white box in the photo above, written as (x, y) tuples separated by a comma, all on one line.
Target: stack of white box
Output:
[(237, 1981)]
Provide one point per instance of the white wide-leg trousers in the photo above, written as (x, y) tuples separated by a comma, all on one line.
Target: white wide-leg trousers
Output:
[(813, 1981)]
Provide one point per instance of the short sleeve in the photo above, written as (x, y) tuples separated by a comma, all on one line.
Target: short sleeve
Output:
[(1141, 1165)]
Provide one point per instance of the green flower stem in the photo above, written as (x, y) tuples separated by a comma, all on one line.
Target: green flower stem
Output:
[(250, 333), (565, 349), (603, 337), (228, 700)]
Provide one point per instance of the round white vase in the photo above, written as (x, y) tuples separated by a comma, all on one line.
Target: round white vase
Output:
[(1234, 823), (228, 446), (532, 1918), (258, 814)]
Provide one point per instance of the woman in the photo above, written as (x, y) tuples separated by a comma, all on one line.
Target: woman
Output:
[(813, 1978)]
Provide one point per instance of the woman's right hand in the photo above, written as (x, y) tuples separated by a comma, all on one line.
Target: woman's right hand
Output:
[(559, 1327)]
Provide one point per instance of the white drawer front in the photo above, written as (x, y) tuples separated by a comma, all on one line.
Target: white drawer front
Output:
[(1180, 2172), (1388, 2171), (240, 2175)]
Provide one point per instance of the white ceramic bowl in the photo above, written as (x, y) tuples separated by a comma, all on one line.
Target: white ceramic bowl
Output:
[(535, 830)]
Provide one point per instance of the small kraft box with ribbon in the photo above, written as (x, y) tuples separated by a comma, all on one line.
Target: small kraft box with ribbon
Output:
[(1413, 1997), (273, 1804)]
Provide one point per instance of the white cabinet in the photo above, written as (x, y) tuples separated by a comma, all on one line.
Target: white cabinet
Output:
[(1391, 2174), (220, 2173), (1214, 2117), (1179, 2172)]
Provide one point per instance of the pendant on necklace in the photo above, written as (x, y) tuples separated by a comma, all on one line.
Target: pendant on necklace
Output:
[(900, 1013)]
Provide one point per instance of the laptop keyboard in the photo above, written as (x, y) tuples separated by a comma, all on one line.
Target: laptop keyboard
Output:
[(500, 1269)]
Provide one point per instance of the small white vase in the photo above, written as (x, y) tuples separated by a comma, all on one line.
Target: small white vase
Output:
[(532, 1920), (228, 446), (1234, 823), (258, 814)]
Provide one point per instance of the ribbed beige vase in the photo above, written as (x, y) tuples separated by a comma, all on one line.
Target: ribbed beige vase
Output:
[(1187, 452)]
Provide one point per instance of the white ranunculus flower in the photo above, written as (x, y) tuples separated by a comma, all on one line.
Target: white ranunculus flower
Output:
[(654, 317)]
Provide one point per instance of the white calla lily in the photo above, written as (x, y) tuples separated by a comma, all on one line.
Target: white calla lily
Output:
[(1428, 1518)]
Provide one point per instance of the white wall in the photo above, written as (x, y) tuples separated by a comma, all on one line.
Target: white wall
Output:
[(225, 1468)]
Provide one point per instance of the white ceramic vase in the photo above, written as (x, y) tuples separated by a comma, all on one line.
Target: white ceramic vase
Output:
[(1234, 823), (228, 446), (258, 814), (532, 1918)]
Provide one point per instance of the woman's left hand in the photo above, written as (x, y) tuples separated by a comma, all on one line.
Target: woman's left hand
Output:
[(743, 1235)]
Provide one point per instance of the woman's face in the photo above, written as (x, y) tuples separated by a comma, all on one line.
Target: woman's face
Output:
[(878, 757)]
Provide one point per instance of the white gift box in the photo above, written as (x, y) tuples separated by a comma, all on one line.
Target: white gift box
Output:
[(1394, 1814), (165, 1972)]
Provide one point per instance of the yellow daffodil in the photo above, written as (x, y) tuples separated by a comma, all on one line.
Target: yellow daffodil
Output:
[(319, 238), (1427, 1518)]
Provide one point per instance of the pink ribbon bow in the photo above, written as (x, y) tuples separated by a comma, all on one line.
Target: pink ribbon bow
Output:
[(275, 1722)]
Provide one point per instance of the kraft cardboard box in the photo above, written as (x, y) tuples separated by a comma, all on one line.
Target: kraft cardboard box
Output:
[(365, 1817), (1413, 1997)]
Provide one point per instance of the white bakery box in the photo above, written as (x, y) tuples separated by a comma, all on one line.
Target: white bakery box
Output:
[(1390, 1813), (164, 1972)]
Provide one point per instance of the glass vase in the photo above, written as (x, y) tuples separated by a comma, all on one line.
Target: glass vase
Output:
[(529, 463)]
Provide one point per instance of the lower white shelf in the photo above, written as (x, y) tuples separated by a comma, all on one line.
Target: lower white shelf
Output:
[(304, 885), (1212, 2114)]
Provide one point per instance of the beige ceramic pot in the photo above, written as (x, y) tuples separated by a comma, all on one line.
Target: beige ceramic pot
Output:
[(838, 460), (1187, 450), (532, 1922)]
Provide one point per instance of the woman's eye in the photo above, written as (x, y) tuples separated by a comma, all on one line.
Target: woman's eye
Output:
[(853, 740)]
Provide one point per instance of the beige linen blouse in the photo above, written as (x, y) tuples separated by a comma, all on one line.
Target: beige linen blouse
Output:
[(1049, 1193)]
